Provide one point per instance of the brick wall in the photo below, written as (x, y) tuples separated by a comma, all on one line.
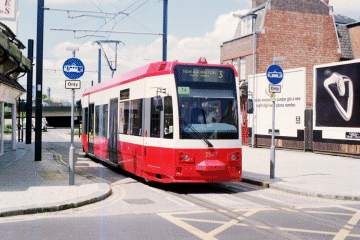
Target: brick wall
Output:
[(304, 40), (236, 48), (355, 40)]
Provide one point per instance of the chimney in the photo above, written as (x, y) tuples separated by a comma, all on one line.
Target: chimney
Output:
[(256, 3)]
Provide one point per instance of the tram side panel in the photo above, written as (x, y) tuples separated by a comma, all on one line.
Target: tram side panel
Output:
[(131, 128), (159, 161)]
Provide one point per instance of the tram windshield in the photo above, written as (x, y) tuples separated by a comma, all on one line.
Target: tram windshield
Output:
[(207, 102)]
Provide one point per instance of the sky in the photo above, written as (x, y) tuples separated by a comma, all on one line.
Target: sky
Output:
[(196, 29)]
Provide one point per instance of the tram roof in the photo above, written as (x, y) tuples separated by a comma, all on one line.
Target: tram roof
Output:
[(149, 70)]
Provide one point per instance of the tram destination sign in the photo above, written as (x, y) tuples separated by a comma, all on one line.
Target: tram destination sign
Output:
[(72, 84), (187, 74)]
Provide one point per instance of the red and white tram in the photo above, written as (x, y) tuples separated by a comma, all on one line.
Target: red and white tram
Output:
[(169, 122)]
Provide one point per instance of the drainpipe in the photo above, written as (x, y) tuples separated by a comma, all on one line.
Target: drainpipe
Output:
[(254, 16), (331, 11)]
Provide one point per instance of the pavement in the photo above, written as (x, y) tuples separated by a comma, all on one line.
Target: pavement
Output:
[(29, 187), (304, 173)]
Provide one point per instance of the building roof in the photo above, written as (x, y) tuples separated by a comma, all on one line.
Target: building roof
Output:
[(12, 61), (11, 83), (341, 19), (354, 24), (345, 41), (342, 25)]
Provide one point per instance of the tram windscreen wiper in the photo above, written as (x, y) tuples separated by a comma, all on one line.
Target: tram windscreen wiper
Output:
[(202, 136)]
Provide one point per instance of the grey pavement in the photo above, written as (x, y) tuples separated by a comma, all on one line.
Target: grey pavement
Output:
[(305, 173), (31, 187)]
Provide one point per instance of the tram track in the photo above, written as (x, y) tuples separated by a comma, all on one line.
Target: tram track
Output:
[(238, 218), (234, 217)]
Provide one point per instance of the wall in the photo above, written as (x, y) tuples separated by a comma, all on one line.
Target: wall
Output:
[(355, 40), (303, 39), (290, 105)]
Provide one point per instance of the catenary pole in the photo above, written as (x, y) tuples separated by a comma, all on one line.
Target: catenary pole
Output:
[(99, 65), (29, 88), (39, 79), (165, 29)]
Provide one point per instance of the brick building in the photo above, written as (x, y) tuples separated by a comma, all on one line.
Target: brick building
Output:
[(294, 34)]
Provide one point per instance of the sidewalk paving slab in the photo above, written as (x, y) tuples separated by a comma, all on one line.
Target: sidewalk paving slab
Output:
[(29, 187), (304, 173)]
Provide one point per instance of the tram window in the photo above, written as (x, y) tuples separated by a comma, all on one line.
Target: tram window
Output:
[(168, 118), (97, 113), (136, 117), (125, 94), (85, 121), (105, 120), (124, 118), (154, 120)]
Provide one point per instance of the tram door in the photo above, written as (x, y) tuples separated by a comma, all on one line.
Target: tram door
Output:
[(113, 131), (91, 128)]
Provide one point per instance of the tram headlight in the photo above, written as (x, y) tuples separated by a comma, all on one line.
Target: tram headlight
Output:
[(186, 158)]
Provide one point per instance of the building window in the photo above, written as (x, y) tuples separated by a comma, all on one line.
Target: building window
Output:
[(168, 118), (136, 117), (246, 25), (242, 69)]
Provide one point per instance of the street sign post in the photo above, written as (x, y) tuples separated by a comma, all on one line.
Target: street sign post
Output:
[(73, 69), (275, 75)]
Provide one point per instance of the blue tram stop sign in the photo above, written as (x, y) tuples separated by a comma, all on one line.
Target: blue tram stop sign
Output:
[(275, 74), (73, 68)]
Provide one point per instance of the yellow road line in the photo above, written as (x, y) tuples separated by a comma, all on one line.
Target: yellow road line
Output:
[(329, 213), (196, 232), (203, 220), (346, 230), (223, 227)]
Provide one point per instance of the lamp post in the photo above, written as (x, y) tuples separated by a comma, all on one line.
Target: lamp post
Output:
[(254, 16)]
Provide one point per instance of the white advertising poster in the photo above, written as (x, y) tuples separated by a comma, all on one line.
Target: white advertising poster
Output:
[(290, 104), (337, 100), (8, 9)]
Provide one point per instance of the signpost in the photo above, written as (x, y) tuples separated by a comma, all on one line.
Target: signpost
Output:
[(73, 69), (275, 75)]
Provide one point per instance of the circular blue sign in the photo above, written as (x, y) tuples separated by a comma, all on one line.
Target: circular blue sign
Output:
[(73, 68), (275, 74)]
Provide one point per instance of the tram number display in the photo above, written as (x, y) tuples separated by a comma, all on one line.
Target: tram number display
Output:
[(204, 74)]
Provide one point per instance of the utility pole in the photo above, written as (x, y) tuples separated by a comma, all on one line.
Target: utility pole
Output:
[(39, 79), (165, 29), (29, 88)]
